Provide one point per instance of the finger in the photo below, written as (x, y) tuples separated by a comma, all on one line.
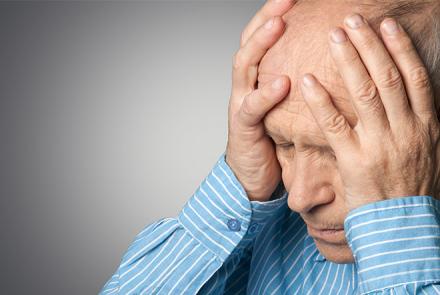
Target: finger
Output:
[(332, 123), (270, 9), (264, 78), (247, 58), (411, 67), (381, 67), (258, 103), (363, 92)]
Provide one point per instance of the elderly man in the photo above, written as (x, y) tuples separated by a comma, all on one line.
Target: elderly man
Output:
[(330, 179)]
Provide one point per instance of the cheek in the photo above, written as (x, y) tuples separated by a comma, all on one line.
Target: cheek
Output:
[(308, 166)]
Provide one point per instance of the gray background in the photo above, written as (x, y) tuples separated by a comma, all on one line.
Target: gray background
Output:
[(111, 114)]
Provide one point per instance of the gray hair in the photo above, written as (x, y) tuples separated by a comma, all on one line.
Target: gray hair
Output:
[(421, 19)]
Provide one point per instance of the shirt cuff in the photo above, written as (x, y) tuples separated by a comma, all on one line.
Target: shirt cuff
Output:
[(220, 215), (262, 211), (395, 242)]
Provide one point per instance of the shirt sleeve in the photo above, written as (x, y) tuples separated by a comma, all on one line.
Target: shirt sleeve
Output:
[(212, 233), (396, 245)]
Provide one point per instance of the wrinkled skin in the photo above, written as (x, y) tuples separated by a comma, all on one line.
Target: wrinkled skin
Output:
[(309, 167)]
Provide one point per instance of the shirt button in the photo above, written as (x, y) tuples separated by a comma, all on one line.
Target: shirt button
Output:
[(253, 228), (234, 225)]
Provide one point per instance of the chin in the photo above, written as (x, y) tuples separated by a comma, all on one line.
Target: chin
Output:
[(337, 253)]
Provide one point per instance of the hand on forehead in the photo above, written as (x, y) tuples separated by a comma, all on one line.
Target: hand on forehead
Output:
[(303, 48)]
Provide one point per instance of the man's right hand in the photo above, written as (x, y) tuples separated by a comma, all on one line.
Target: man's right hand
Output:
[(250, 152)]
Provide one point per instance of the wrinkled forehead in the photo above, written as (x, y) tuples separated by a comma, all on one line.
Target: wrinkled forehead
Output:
[(303, 44), (302, 49)]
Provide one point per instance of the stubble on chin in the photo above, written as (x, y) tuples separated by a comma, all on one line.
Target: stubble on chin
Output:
[(340, 253)]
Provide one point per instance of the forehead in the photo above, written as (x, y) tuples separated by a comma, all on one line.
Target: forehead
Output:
[(302, 49)]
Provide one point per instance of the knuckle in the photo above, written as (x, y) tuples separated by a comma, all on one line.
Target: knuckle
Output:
[(419, 77), (242, 38), (368, 42), (367, 92), (247, 108), (390, 78), (336, 124), (434, 130), (237, 60)]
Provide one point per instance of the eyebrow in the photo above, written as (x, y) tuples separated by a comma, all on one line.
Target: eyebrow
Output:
[(324, 146), (273, 134)]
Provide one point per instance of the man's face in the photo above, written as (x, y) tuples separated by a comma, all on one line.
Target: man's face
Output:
[(309, 168)]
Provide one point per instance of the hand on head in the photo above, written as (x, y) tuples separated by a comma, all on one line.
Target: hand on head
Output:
[(364, 129), (250, 152)]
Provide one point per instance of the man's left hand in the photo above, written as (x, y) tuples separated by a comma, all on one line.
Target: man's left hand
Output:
[(393, 150)]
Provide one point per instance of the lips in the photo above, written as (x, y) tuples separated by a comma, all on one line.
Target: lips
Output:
[(324, 228), (331, 236)]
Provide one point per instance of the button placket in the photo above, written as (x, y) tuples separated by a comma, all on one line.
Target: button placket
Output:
[(253, 228)]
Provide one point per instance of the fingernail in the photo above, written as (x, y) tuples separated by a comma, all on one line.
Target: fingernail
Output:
[(277, 84), (269, 24), (354, 21), (338, 35), (390, 26), (308, 80)]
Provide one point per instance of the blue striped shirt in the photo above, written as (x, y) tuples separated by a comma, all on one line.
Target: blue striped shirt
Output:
[(222, 243)]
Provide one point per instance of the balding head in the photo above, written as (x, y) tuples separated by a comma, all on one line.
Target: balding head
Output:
[(304, 45), (309, 168)]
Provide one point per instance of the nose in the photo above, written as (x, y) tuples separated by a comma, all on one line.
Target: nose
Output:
[(310, 185)]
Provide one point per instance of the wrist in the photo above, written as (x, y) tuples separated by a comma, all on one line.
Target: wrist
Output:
[(394, 241)]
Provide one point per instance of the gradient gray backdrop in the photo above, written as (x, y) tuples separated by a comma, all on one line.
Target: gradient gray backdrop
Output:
[(111, 115)]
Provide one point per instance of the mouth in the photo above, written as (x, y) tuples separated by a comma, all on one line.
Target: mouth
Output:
[(330, 236)]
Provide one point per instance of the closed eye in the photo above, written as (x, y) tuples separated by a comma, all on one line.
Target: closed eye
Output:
[(286, 145)]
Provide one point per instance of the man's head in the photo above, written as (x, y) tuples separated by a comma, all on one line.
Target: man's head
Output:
[(309, 168)]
